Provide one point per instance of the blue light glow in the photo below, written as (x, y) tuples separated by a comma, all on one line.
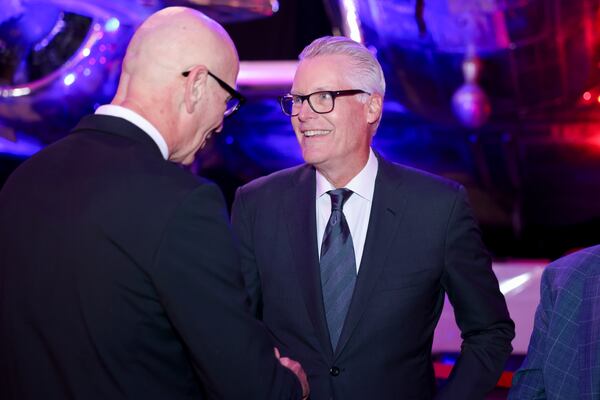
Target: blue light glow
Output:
[(69, 79), (25, 146), (112, 25), (448, 359)]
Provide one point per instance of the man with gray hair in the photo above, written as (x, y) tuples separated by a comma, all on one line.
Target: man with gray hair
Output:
[(347, 258)]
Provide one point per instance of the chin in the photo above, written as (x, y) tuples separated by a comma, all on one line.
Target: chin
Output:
[(314, 156), (315, 161)]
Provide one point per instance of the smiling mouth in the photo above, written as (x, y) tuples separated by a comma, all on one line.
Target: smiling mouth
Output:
[(313, 133)]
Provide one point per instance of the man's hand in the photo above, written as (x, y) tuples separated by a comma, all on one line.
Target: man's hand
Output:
[(296, 368)]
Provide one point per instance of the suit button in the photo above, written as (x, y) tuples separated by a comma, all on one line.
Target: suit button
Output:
[(334, 371)]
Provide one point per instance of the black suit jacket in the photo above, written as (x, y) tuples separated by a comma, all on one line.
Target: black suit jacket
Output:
[(422, 242), (119, 279)]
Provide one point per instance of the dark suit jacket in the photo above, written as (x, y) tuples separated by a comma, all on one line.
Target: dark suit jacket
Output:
[(119, 279), (563, 359), (422, 242)]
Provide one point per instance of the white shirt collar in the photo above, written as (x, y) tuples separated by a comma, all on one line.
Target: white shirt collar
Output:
[(363, 184), (139, 121)]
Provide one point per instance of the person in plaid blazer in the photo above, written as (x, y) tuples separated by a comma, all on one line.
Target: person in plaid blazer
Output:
[(563, 359)]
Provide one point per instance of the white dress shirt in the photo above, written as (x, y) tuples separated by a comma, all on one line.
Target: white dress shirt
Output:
[(357, 208), (139, 121)]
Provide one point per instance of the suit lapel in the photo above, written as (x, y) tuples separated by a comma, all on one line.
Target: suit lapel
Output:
[(386, 212), (299, 209)]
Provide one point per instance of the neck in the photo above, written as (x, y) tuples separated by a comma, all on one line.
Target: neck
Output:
[(340, 177), (160, 124), (131, 105), (339, 174)]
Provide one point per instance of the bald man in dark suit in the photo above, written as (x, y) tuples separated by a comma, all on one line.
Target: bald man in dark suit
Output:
[(119, 278)]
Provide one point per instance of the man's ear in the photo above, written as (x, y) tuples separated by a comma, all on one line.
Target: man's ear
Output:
[(375, 108), (195, 86)]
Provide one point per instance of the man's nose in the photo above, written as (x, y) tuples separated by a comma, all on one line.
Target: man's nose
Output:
[(306, 111)]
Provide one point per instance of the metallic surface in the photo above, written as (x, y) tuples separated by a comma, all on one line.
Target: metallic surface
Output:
[(531, 165), (536, 54), (34, 34), (226, 11)]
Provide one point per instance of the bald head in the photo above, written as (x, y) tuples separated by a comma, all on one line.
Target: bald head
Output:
[(176, 38), (169, 42)]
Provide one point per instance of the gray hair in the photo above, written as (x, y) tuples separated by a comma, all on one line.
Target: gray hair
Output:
[(365, 72)]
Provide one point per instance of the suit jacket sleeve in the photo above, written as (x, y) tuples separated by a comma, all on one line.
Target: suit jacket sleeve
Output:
[(528, 381), (197, 277), (241, 222), (479, 307)]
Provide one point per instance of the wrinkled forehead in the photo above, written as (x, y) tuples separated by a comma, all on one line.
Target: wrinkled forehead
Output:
[(327, 72)]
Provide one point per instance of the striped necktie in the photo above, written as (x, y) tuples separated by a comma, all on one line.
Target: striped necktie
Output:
[(338, 265)]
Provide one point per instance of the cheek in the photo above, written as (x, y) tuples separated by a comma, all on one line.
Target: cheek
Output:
[(295, 123), (212, 120), (295, 127), (354, 125)]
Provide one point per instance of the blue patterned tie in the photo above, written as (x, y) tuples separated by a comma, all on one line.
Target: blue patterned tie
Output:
[(338, 265)]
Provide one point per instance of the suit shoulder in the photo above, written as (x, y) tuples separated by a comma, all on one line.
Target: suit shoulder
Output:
[(574, 266), (420, 180), (276, 181)]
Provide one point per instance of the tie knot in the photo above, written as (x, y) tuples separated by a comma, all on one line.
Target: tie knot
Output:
[(339, 197)]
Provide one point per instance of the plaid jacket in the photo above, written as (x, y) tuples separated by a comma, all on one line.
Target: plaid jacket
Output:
[(563, 360)]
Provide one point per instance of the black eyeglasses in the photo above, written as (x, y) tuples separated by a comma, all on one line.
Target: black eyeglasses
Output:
[(235, 101), (321, 102)]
